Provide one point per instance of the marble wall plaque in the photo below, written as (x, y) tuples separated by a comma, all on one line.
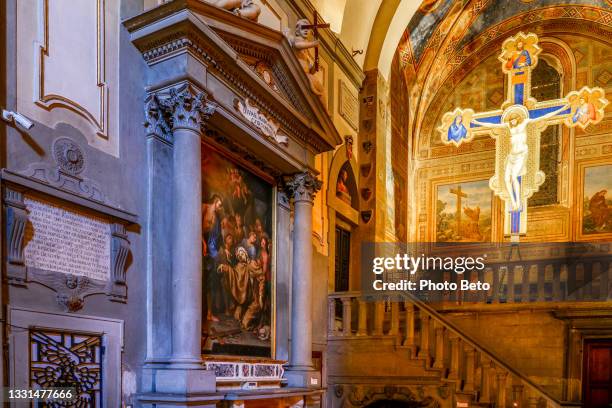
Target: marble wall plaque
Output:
[(348, 106), (62, 240)]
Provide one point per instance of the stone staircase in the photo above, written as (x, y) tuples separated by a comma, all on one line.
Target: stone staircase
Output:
[(421, 346)]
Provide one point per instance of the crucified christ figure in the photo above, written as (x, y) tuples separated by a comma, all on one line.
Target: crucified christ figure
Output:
[(515, 121)]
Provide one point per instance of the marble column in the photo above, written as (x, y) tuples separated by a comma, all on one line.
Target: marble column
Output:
[(179, 114), (186, 106), (302, 187)]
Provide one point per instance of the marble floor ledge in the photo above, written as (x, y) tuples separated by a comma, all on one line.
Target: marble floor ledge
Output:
[(233, 395)]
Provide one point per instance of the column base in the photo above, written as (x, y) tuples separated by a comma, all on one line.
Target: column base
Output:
[(178, 379), (156, 400), (303, 377)]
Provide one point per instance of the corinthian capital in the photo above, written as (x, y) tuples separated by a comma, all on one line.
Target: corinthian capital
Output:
[(156, 120), (187, 108), (182, 107), (303, 186)]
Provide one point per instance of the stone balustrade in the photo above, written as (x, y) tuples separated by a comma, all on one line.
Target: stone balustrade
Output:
[(529, 281), (533, 279), (476, 375)]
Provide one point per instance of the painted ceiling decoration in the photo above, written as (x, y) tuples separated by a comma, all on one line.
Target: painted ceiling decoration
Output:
[(424, 22), (441, 40), (423, 27)]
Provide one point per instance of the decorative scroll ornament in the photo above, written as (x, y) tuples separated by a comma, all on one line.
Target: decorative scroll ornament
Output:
[(266, 125), (303, 186), (156, 122), (71, 295), (68, 172), (517, 127), (16, 221), (68, 155)]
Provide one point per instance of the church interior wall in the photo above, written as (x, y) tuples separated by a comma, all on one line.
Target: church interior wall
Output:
[(45, 45), (483, 89), (404, 167), (114, 158), (543, 340)]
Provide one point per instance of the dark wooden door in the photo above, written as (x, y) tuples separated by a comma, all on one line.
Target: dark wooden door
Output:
[(343, 257), (597, 377)]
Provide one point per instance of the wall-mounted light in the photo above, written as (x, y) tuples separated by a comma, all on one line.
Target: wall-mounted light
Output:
[(17, 118)]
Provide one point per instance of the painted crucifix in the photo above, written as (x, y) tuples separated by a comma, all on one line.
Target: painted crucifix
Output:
[(460, 194), (517, 127)]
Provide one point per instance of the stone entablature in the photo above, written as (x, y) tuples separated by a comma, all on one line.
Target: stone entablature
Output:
[(222, 42)]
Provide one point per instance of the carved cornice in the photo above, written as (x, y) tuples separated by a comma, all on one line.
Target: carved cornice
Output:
[(303, 186), (262, 53), (189, 40), (242, 152), (303, 118)]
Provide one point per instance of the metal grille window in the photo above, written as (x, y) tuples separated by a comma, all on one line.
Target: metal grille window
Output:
[(67, 360)]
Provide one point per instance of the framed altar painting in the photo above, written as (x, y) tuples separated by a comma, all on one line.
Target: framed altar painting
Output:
[(463, 211), (237, 259), (594, 206)]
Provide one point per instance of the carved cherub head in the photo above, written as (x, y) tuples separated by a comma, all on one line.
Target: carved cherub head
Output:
[(301, 29)]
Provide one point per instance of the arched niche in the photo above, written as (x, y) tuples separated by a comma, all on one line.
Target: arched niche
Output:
[(343, 211), (344, 165)]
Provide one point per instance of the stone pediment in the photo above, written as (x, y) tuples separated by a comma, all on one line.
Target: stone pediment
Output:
[(255, 62)]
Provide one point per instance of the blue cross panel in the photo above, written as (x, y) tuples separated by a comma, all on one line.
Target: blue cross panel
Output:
[(519, 93), (536, 113), (495, 120), (515, 216)]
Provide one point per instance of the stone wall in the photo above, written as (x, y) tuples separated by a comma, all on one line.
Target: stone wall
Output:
[(531, 341)]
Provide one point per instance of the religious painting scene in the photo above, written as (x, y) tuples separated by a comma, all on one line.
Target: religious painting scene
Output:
[(346, 189), (236, 258), (463, 212), (597, 202), (306, 203)]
